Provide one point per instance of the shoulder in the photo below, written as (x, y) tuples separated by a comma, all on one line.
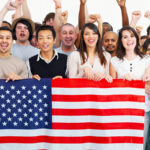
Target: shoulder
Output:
[(74, 54), (107, 55), (17, 60), (33, 57), (115, 59), (62, 56)]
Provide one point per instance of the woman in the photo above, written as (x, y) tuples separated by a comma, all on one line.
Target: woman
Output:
[(89, 61), (129, 63)]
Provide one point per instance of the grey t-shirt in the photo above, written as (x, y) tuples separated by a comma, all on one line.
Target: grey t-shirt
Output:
[(24, 52)]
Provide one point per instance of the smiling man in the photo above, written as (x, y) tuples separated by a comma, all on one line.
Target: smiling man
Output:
[(11, 67), (49, 63), (23, 29)]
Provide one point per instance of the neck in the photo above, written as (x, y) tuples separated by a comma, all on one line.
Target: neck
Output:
[(47, 55), (67, 49), (91, 51), (23, 43), (5, 55), (130, 54)]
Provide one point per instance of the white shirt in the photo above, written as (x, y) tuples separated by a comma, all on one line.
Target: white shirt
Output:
[(75, 68)]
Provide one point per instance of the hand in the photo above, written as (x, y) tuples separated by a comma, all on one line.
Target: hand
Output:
[(36, 76), (147, 14), (139, 29), (121, 3), (147, 87), (83, 2), (136, 15), (10, 5), (98, 76), (57, 3), (57, 77), (129, 77), (12, 76), (146, 77), (108, 78), (64, 17), (19, 2), (92, 18), (88, 73)]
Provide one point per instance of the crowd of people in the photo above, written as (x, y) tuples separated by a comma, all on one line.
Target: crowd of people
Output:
[(56, 48)]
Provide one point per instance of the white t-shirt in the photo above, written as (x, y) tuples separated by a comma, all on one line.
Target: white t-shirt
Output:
[(137, 67), (75, 68)]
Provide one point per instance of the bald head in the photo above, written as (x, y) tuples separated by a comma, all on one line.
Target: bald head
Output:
[(110, 41)]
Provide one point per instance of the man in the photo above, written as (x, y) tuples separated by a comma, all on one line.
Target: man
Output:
[(68, 37), (11, 68), (49, 63), (110, 42), (23, 29)]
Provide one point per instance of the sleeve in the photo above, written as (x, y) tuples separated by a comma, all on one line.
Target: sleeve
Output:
[(73, 65), (28, 69), (114, 62)]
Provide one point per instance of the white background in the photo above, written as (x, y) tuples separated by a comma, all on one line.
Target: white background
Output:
[(108, 9)]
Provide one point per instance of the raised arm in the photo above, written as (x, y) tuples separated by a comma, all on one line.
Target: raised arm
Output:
[(9, 6), (136, 15), (25, 9), (18, 9), (82, 13), (122, 5)]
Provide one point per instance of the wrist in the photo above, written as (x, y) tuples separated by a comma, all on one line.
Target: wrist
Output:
[(58, 7)]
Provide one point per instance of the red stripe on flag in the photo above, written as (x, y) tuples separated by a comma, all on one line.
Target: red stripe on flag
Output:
[(83, 83), (97, 126), (97, 112), (98, 98), (72, 140)]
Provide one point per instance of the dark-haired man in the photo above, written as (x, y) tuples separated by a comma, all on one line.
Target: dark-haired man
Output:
[(23, 29), (11, 67), (49, 63)]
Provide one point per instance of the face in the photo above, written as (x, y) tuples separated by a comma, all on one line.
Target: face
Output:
[(45, 40), (6, 41), (50, 22), (68, 36), (34, 41), (90, 38), (148, 50), (110, 42), (128, 40), (22, 32)]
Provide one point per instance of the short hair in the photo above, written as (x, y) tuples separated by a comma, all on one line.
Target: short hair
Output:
[(148, 30), (111, 28), (7, 23), (143, 37), (46, 27), (37, 25), (48, 16), (6, 29), (67, 24), (25, 22)]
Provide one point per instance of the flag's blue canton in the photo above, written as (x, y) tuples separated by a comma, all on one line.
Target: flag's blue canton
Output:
[(25, 104)]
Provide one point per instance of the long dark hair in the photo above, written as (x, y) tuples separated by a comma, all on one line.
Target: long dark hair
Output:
[(145, 45), (82, 46), (120, 53)]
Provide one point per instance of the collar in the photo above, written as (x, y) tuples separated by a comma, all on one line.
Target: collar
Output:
[(55, 55)]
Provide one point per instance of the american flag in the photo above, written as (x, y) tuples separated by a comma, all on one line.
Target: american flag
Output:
[(86, 115)]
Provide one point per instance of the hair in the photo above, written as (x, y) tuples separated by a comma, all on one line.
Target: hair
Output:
[(37, 26), (148, 30), (25, 22), (120, 53), (82, 46), (111, 28), (46, 27), (6, 29), (143, 37), (7, 23), (67, 24), (48, 16), (145, 45)]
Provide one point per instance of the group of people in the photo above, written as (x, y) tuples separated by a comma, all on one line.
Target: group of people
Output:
[(57, 49)]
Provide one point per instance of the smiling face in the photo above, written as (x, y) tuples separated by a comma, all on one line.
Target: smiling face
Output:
[(128, 40), (6, 41), (22, 32), (45, 40), (90, 38)]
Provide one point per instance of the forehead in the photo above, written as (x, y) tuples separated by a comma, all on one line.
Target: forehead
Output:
[(45, 32), (127, 32), (110, 35), (5, 33), (67, 28), (21, 25)]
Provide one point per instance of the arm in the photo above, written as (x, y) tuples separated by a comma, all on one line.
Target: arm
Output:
[(100, 24), (82, 13), (25, 9), (18, 10), (64, 17), (136, 15), (112, 71), (9, 6), (122, 5), (139, 30)]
